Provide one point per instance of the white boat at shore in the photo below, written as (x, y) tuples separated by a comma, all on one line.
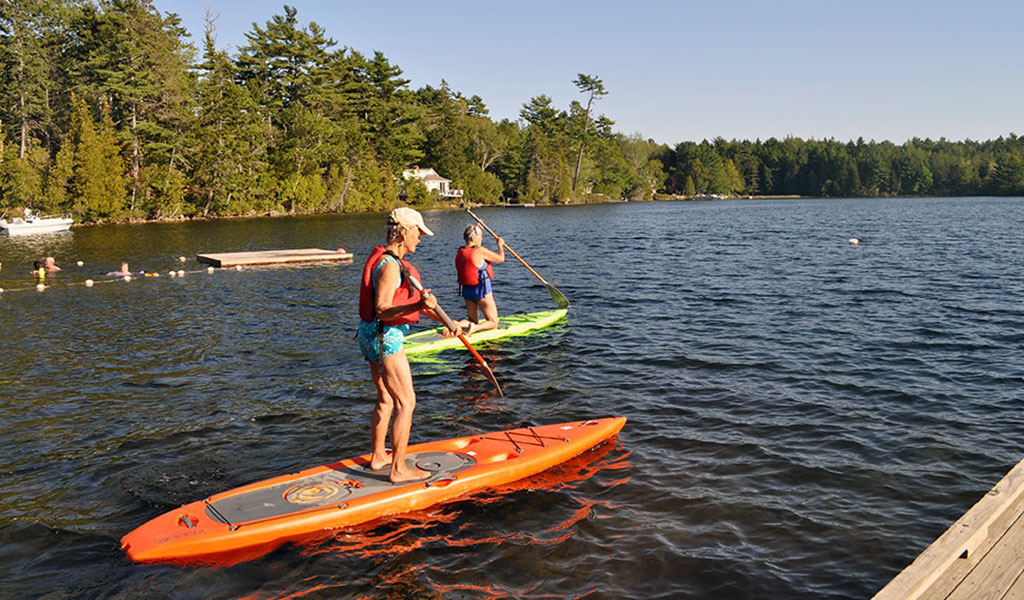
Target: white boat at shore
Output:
[(32, 224)]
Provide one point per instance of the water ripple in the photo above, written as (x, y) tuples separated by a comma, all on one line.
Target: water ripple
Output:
[(805, 416)]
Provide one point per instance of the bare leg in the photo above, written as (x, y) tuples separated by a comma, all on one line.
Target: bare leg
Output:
[(474, 315), (490, 310), (379, 421), (397, 378)]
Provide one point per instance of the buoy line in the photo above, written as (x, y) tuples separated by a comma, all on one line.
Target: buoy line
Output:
[(93, 282)]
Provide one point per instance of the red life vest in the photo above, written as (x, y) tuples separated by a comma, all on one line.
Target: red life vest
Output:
[(469, 274), (405, 294)]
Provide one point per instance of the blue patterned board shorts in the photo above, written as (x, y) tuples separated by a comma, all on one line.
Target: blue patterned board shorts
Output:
[(394, 337)]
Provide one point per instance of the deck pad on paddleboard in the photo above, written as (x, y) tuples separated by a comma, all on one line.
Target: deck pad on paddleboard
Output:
[(510, 325), (328, 489)]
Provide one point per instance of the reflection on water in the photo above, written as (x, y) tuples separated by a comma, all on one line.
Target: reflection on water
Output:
[(479, 523), (805, 416)]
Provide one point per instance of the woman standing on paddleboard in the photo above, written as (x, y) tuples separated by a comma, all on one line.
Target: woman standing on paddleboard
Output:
[(388, 303), (473, 266)]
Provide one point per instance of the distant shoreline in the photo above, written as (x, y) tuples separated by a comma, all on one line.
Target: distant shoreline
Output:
[(441, 206)]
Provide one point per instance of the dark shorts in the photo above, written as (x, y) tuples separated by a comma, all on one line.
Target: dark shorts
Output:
[(476, 293)]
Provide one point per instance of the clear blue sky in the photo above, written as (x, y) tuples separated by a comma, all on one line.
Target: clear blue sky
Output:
[(684, 70)]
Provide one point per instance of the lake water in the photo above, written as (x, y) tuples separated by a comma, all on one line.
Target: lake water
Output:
[(805, 416)]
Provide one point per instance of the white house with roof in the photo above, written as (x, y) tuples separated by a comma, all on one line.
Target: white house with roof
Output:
[(433, 181)]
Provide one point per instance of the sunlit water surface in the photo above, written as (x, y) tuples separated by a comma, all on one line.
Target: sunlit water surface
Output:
[(805, 415)]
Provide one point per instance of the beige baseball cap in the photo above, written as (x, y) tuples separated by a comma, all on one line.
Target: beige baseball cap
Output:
[(408, 217)]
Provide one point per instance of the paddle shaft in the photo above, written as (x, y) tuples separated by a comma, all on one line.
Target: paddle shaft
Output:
[(453, 327), (507, 247), (556, 295)]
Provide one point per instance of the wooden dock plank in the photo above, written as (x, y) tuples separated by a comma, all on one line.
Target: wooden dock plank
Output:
[(996, 571), (1016, 591), (272, 257), (969, 568), (950, 559)]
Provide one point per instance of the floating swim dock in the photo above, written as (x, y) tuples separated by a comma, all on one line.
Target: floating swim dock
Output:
[(273, 257), (980, 556)]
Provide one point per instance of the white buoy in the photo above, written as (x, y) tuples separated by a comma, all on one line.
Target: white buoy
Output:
[(88, 283), (182, 258), (80, 263), (40, 287), (209, 269), (127, 277), (181, 272), (854, 242), (1, 290), (172, 272), (238, 267)]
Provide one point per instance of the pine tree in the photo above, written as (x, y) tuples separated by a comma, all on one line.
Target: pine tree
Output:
[(592, 86), (689, 188), (228, 155), (98, 183), (29, 31), (390, 117), (60, 175), (135, 61), (448, 139), (284, 66), (548, 176), (1007, 177)]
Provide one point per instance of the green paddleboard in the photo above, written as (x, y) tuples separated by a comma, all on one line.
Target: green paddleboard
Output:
[(431, 340)]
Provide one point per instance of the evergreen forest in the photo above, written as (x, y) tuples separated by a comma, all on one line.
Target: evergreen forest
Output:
[(109, 110)]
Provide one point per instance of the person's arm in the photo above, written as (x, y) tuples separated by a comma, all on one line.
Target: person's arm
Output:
[(428, 307), (388, 280), (495, 257)]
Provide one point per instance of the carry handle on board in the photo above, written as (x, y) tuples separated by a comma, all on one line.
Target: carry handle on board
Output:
[(453, 327)]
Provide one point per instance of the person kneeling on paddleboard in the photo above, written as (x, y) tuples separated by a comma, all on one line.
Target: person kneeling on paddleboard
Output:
[(473, 267), (388, 303)]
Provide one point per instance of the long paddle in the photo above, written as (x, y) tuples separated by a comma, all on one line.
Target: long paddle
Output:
[(556, 295), (453, 327)]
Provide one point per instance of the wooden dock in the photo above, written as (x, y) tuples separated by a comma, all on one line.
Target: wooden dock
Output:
[(273, 257), (980, 556)]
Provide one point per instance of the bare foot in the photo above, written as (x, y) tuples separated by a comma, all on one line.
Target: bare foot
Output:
[(407, 474), (465, 325), (379, 462)]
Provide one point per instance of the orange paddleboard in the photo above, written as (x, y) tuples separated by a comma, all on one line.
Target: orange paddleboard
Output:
[(265, 514)]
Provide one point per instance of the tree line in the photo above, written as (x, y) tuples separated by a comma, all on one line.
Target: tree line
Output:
[(109, 111), (829, 168)]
